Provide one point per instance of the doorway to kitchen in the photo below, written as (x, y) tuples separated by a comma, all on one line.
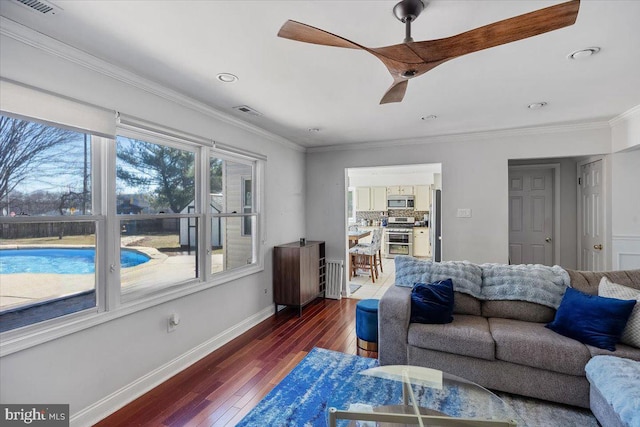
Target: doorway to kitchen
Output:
[(398, 203)]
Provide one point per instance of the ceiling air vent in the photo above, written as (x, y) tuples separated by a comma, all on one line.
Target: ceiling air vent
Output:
[(41, 6), (248, 110)]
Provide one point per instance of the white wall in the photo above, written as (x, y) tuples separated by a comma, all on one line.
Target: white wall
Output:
[(625, 130), (474, 175), (85, 367), (625, 209)]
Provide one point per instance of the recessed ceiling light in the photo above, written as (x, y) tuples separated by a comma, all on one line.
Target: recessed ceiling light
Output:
[(537, 105), (429, 117), (583, 53), (227, 77)]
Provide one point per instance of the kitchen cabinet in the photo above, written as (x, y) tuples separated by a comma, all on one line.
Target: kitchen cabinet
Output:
[(363, 199), (400, 190), (422, 197), (371, 199), (378, 198), (421, 242), (299, 273)]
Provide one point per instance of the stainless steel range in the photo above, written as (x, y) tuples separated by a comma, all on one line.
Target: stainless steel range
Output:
[(399, 236)]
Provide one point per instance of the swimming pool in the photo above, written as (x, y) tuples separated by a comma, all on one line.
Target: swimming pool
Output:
[(60, 260)]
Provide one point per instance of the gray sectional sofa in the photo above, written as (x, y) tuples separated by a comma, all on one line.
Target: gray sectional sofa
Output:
[(500, 344)]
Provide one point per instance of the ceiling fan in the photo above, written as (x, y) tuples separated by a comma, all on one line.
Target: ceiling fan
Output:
[(411, 59)]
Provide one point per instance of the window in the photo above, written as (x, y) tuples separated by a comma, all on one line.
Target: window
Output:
[(247, 204), (48, 226), (351, 205), (157, 219), (233, 219), (90, 223)]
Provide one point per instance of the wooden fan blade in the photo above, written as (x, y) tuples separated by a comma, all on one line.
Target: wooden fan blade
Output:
[(396, 92), (501, 32), (306, 33)]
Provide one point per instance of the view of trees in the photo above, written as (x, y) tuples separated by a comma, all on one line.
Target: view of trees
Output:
[(166, 172), (42, 168), (45, 170)]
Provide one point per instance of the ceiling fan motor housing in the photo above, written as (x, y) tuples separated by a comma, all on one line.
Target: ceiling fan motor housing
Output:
[(408, 10)]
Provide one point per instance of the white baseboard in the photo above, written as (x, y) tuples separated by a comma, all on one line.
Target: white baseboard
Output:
[(116, 400)]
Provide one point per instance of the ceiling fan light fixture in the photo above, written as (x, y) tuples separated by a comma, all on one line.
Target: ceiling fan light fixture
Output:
[(537, 105), (583, 53), (227, 77)]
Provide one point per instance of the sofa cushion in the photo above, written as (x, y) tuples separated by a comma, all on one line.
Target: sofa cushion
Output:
[(466, 304), (591, 319), (618, 381), (432, 303), (622, 350), (466, 335), (631, 333), (531, 344), (588, 281), (518, 310)]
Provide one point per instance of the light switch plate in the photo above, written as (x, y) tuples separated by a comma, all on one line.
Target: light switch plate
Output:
[(464, 213)]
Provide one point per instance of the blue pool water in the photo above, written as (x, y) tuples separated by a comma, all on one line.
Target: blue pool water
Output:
[(60, 260)]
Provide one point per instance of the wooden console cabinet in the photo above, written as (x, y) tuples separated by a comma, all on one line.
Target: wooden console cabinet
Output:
[(299, 273)]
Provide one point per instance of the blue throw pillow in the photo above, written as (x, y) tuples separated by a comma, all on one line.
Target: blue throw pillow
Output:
[(591, 319), (432, 303)]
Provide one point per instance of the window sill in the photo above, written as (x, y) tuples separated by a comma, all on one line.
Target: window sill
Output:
[(33, 335)]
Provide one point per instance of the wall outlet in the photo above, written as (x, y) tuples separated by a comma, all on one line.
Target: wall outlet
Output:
[(464, 213), (172, 322)]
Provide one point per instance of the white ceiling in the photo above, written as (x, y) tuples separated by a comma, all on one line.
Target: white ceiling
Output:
[(297, 86)]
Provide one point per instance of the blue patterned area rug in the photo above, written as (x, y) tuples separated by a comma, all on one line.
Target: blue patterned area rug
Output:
[(327, 378)]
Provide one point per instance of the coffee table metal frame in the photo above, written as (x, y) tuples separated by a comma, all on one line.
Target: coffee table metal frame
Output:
[(404, 374)]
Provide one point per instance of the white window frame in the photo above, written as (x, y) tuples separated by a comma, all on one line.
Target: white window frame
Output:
[(257, 164), (109, 305), (29, 335), (142, 294)]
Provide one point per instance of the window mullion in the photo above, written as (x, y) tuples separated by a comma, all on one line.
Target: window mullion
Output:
[(202, 207), (111, 265)]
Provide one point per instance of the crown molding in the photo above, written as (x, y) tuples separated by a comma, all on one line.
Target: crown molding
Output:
[(634, 111), (61, 50), (461, 137)]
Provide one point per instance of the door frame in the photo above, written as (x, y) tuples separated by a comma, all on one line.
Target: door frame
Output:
[(606, 209), (555, 167)]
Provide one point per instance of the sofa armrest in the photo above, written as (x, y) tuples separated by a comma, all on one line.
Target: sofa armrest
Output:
[(394, 313)]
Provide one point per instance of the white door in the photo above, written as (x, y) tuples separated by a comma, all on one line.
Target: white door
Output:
[(591, 217), (531, 216)]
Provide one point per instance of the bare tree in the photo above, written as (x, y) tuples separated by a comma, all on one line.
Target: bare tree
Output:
[(24, 146)]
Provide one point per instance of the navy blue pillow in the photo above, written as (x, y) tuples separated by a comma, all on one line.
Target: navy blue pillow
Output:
[(591, 319), (432, 303)]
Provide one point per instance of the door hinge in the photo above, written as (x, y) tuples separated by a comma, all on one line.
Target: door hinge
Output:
[(579, 181)]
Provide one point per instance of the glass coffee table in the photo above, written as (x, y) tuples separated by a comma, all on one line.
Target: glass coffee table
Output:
[(429, 398)]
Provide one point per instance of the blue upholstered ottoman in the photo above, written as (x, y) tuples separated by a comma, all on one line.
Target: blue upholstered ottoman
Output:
[(615, 390), (367, 324)]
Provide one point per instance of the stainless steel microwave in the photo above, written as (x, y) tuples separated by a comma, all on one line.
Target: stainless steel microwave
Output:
[(400, 202)]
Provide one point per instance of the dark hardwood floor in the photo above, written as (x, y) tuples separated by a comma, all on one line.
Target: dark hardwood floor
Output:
[(224, 386)]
